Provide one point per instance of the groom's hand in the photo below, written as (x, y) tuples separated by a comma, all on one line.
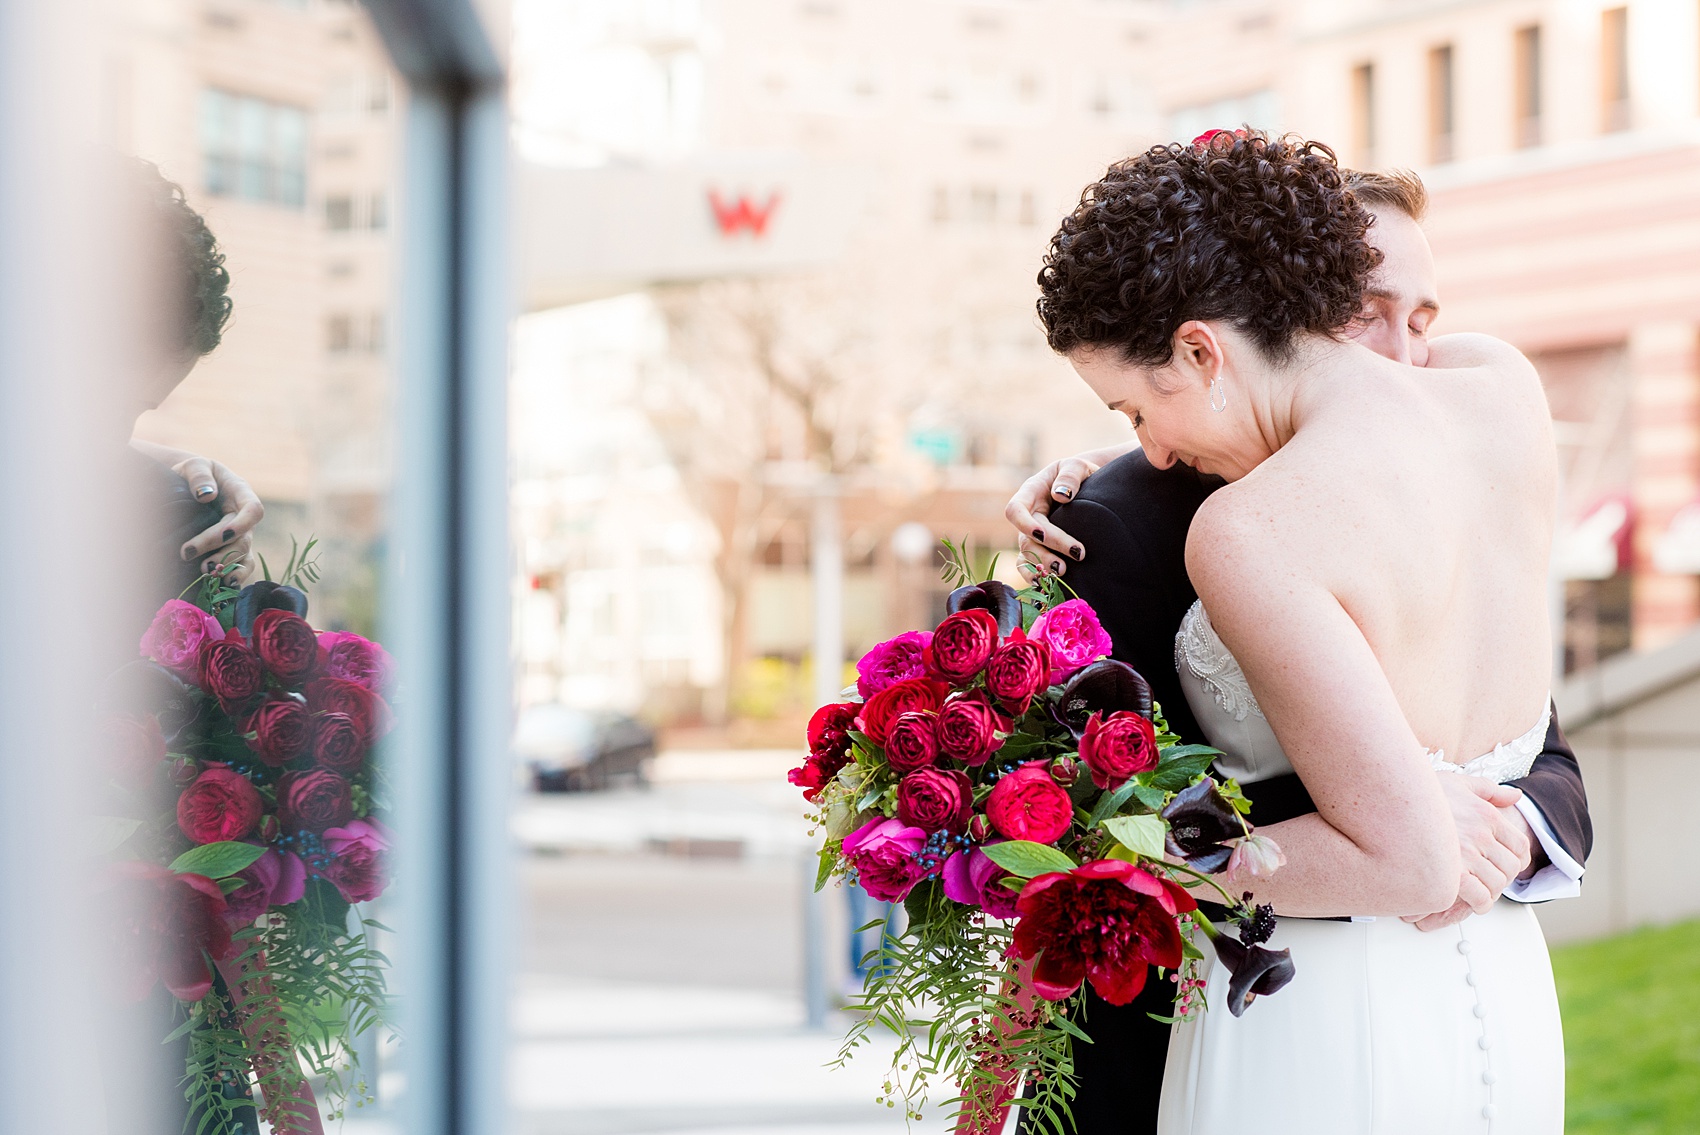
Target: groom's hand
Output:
[(1493, 841)]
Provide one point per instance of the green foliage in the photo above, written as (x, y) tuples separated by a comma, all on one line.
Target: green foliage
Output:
[(941, 989), (958, 567), (1631, 1007), (302, 570), (1026, 859), (217, 860), (1142, 835)]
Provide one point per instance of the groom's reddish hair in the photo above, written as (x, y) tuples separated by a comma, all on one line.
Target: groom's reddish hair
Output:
[(1396, 188), (1260, 232)]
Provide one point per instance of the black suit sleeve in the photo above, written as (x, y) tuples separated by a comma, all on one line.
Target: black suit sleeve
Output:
[(1554, 784)]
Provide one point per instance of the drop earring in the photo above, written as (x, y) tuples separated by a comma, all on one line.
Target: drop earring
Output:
[(1218, 395)]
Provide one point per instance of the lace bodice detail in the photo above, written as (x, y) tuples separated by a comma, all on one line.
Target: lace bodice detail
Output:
[(1227, 711)]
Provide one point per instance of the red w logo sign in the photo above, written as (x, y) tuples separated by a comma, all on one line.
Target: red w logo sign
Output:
[(732, 216)]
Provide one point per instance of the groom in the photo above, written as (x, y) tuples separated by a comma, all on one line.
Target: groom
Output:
[(1133, 518)]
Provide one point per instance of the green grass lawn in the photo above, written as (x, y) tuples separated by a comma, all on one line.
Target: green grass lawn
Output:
[(1631, 1009)]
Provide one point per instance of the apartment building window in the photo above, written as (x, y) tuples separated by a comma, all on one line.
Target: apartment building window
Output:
[(253, 149), (339, 334), (378, 215), (1440, 106), (1363, 114), (1526, 74), (339, 214), (346, 212), (1614, 70), (983, 204)]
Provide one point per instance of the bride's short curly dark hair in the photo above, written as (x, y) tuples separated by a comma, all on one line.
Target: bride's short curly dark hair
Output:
[(1262, 232)]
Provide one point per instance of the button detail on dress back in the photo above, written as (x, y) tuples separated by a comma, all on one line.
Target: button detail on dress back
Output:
[(1464, 947)]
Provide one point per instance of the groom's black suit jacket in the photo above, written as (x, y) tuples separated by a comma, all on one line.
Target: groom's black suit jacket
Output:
[(1133, 519)]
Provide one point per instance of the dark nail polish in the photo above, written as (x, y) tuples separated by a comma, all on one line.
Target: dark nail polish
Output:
[(1064, 493), (1038, 534), (1056, 565), (229, 534), (189, 552), (1077, 552), (206, 491)]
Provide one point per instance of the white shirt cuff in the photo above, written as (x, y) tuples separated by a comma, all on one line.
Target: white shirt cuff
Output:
[(1561, 878)]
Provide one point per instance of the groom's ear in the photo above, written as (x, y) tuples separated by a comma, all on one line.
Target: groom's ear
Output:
[(1198, 356)]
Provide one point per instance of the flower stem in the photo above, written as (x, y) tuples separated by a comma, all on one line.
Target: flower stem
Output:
[(1229, 900)]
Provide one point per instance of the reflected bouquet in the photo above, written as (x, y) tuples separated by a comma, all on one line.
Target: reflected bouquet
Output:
[(1017, 791), (245, 821)]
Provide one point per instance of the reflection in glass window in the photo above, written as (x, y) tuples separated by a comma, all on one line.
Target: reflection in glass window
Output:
[(254, 149)]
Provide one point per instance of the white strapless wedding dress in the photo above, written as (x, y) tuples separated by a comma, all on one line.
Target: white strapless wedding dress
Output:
[(1385, 1029)]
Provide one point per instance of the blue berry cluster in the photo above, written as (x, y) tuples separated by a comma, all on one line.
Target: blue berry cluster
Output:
[(941, 845), (309, 846)]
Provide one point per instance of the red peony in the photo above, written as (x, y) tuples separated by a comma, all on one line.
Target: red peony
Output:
[(1027, 804), (337, 743), (219, 805), (892, 702), (231, 672), (912, 743), (287, 645), (961, 645), (1119, 747), (168, 925), (313, 801), (1020, 669), (369, 712), (968, 727), (936, 800), (283, 730), (1105, 921), (829, 747)]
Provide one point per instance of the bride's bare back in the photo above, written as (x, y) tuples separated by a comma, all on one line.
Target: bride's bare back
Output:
[(1382, 579)]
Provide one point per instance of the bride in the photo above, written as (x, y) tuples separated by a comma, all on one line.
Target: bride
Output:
[(1376, 569)]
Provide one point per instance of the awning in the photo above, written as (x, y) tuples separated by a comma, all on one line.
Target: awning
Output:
[(1597, 546)]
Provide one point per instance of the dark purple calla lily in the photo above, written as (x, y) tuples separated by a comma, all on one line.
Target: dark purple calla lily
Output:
[(1257, 971), (998, 598), (1200, 819), (1106, 687), (266, 596)]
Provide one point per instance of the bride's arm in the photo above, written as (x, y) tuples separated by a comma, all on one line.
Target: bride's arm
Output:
[(1382, 840)]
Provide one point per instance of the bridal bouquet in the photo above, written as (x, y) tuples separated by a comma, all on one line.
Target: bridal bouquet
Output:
[(245, 822), (1019, 793)]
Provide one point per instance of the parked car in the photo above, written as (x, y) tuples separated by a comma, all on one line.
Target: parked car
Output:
[(563, 749)]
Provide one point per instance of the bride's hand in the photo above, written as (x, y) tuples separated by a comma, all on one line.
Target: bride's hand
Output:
[(1044, 546), (1493, 839)]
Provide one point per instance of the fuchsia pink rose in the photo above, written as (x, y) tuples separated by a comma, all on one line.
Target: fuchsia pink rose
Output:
[(1074, 636), (345, 655), (276, 878), (176, 635), (971, 878), (891, 662), (883, 852), (360, 870), (1028, 804)]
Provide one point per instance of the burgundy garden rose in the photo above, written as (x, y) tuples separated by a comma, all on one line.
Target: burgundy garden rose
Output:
[(137, 746), (176, 635), (968, 728), (276, 878), (829, 747), (883, 853), (231, 673), (1018, 670), (907, 696), (1074, 636), (369, 712), (337, 743), (962, 644), (1105, 921), (360, 870), (936, 800), (313, 801), (283, 730), (168, 926), (1118, 748), (219, 805), (345, 655), (1027, 804), (287, 646), (912, 742), (891, 662), (971, 878)]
